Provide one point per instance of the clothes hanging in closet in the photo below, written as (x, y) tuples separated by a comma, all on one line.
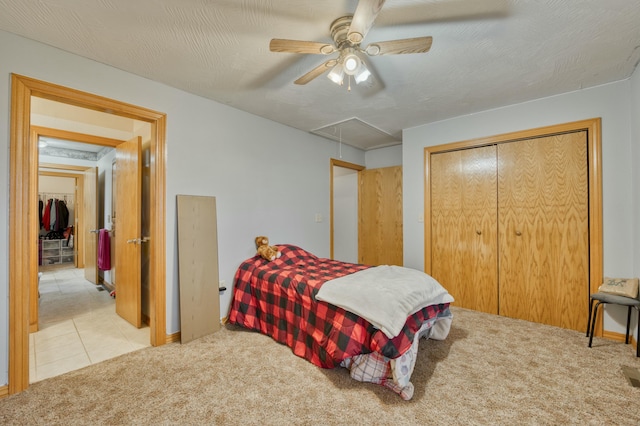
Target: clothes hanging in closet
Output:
[(55, 216), (46, 223)]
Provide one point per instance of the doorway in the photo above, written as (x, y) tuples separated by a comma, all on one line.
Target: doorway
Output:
[(74, 322), (344, 210), (70, 155), (23, 256)]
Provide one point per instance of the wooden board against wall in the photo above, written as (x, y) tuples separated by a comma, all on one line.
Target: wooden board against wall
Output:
[(198, 267)]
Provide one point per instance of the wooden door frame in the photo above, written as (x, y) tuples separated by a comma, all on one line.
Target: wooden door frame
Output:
[(23, 222), (594, 154), (338, 163)]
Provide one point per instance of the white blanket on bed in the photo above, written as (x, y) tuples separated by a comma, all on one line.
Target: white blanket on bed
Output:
[(384, 295)]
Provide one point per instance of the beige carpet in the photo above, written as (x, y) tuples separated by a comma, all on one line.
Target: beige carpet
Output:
[(490, 371)]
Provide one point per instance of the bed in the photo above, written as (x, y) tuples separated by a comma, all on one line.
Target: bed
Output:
[(331, 313)]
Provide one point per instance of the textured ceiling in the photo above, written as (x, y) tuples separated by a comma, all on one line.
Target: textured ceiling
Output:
[(485, 53)]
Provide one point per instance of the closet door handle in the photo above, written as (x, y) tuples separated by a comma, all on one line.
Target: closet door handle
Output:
[(479, 232), (518, 233), (94, 231)]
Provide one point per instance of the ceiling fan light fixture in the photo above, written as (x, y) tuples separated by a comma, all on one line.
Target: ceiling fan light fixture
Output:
[(347, 32), (336, 74), (354, 66), (362, 74), (351, 63)]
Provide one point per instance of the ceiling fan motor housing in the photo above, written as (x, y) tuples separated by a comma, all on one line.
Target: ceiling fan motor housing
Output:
[(339, 29)]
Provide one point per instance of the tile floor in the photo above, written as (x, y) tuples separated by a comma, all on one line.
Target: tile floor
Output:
[(78, 326)]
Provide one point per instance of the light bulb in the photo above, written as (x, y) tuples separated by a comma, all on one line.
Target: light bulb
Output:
[(336, 74), (363, 74), (351, 64)]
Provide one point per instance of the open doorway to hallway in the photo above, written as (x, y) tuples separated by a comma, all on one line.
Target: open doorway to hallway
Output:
[(23, 251), (75, 315)]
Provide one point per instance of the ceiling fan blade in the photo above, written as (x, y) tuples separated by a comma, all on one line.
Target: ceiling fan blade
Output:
[(394, 47), (297, 46), (363, 18), (316, 72)]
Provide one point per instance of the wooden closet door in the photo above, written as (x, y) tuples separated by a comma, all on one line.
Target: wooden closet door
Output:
[(380, 216), (464, 226), (544, 230)]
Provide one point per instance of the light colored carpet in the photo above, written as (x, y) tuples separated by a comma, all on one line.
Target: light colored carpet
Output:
[(489, 371)]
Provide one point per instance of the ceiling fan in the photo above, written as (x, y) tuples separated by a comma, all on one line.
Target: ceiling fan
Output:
[(347, 33)]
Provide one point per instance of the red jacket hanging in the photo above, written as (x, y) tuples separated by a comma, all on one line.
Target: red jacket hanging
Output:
[(46, 215)]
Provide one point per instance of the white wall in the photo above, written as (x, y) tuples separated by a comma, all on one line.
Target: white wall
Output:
[(611, 102), (384, 157), (268, 179), (57, 184)]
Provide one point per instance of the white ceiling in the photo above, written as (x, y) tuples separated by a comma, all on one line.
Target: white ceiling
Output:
[(46, 142), (485, 54)]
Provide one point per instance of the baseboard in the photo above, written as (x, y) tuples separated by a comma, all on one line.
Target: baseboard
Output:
[(4, 391), (110, 287), (175, 337), (619, 337)]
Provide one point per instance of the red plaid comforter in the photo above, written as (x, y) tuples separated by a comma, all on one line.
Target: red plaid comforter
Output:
[(277, 298)]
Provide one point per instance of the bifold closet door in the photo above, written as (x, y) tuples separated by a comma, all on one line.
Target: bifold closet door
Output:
[(464, 226), (543, 210)]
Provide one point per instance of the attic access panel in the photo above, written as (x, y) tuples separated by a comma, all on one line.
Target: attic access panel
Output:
[(357, 133)]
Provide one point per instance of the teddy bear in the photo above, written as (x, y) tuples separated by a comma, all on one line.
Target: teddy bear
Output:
[(265, 250)]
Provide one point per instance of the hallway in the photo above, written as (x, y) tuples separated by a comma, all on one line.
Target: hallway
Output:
[(78, 326)]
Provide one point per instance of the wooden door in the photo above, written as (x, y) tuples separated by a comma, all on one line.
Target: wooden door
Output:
[(90, 224), (464, 226), (380, 216), (543, 206), (128, 239)]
